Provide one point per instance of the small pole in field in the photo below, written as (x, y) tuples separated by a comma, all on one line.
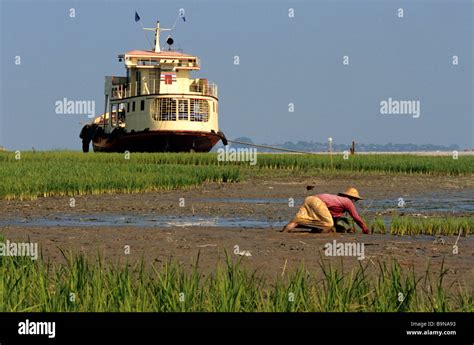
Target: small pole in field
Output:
[(330, 149)]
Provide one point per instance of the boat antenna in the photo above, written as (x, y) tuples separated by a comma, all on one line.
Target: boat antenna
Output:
[(157, 31)]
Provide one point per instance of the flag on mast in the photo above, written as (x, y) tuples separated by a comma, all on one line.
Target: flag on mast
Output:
[(181, 14)]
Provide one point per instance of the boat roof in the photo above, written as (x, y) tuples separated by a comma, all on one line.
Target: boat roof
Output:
[(162, 54), (179, 60)]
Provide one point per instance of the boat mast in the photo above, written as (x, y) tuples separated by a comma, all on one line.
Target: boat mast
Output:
[(157, 31)]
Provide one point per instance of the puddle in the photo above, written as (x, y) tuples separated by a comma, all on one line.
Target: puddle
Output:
[(142, 220), (458, 202), (454, 202)]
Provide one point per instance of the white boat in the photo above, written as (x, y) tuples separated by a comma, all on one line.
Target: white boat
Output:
[(157, 106)]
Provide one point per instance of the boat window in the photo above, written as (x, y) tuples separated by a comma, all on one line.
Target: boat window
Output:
[(113, 113), (167, 109), (138, 80), (133, 106), (142, 105), (183, 108), (155, 109), (121, 115), (128, 107), (199, 110), (147, 62)]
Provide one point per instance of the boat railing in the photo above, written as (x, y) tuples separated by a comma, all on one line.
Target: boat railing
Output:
[(204, 88), (200, 86), (135, 89)]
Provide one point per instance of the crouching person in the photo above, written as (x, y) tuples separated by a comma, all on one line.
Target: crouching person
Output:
[(325, 213)]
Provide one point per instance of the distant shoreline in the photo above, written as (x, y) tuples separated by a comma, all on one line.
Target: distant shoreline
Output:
[(416, 153)]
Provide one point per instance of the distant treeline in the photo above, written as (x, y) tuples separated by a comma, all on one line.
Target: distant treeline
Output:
[(314, 146)]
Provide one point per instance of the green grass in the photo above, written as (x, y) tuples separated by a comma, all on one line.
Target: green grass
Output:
[(408, 164), (56, 174), (73, 173), (433, 226), (83, 285), (377, 226)]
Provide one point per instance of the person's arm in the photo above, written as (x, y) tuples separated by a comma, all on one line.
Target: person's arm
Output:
[(350, 208)]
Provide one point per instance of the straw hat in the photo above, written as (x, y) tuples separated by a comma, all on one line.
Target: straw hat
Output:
[(351, 192)]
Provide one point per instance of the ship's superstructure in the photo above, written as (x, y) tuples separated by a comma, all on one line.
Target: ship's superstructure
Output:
[(157, 106)]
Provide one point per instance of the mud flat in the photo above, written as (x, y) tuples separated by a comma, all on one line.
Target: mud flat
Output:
[(262, 198), (269, 249), (213, 219)]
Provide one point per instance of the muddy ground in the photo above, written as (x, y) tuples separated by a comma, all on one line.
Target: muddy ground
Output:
[(273, 253)]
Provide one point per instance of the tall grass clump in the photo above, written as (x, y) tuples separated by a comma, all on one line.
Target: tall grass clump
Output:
[(404, 163), (56, 174), (376, 225), (72, 173), (93, 286), (412, 226), (434, 226)]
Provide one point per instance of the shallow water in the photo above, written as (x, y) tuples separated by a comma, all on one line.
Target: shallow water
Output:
[(142, 220), (459, 202), (452, 202)]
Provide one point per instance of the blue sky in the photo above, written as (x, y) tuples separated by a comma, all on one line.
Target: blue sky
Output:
[(283, 60)]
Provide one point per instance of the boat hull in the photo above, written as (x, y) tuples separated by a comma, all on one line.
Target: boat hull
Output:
[(156, 141)]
